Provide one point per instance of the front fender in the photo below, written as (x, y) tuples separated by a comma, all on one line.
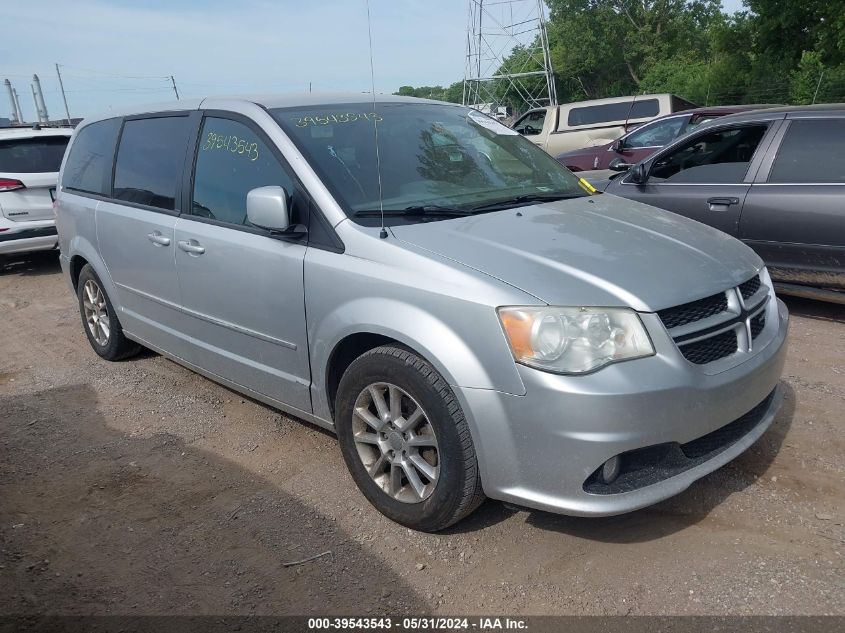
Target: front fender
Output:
[(439, 343)]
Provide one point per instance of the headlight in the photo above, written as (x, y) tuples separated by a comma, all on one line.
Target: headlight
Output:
[(574, 340)]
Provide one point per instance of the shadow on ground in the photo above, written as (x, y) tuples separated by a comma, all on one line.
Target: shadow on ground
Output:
[(93, 521), (812, 309), (30, 264), (667, 517)]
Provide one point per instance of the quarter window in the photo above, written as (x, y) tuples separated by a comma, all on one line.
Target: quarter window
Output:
[(89, 164), (717, 157), (811, 152), (231, 161), (150, 159)]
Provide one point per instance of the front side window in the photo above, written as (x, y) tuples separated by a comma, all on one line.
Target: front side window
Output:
[(532, 123), (32, 155), (811, 152), (149, 161), (430, 154), (89, 164), (611, 112), (656, 134), (231, 161), (718, 157)]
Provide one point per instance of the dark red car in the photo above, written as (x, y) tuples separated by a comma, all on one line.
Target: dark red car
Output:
[(646, 139)]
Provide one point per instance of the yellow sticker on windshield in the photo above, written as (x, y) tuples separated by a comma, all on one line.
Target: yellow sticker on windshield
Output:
[(587, 186)]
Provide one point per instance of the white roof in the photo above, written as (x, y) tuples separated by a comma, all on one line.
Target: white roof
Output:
[(28, 132)]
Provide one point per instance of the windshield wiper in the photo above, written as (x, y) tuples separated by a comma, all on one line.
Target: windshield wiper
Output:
[(415, 210), (526, 198)]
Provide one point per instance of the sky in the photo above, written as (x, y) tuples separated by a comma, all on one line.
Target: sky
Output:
[(119, 52)]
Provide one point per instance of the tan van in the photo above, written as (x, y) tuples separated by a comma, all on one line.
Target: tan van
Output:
[(570, 126)]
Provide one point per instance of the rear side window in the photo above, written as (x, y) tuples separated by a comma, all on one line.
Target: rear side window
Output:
[(32, 155), (150, 159), (232, 160), (811, 152), (591, 115), (88, 166)]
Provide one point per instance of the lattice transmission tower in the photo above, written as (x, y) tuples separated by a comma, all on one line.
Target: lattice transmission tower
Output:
[(495, 30)]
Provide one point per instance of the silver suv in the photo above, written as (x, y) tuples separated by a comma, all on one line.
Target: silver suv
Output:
[(469, 317)]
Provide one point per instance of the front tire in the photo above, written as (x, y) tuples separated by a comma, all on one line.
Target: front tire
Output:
[(99, 318), (406, 441)]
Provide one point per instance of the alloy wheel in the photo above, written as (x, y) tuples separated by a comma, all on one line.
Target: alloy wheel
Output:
[(96, 312), (396, 442)]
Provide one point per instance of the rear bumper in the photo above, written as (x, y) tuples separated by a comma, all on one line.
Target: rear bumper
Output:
[(32, 236), (542, 449)]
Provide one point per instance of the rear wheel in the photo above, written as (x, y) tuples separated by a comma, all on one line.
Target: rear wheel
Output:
[(406, 441), (102, 327)]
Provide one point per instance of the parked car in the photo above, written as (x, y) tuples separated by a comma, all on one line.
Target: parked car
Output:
[(29, 167), (773, 178), (571, 126), (645, 140), (457, 306)]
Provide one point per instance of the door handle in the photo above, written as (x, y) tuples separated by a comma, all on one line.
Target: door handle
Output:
[(190, 247), (725, 201), (158, 239), (715, 203)]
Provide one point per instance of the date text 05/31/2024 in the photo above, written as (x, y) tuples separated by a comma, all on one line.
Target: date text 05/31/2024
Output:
[(419, 624)]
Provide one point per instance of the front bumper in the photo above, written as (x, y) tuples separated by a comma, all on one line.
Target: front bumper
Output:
[(539, 450)]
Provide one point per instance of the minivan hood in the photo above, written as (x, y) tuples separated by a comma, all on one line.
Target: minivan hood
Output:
[(599, 250)]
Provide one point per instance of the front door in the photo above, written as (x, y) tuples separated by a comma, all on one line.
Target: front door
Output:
[(703, 178), (242, 290)]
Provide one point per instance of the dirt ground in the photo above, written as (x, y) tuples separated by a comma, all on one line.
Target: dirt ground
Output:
[(142, 488)]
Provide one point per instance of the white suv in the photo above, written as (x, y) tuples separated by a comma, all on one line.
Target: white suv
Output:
[(29, 168)]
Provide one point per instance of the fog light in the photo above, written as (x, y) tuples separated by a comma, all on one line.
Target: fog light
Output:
[(610, 469)]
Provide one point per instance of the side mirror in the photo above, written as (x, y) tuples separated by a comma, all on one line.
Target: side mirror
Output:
[(638, 174), (267, 208), (619, 164), (618, 145)]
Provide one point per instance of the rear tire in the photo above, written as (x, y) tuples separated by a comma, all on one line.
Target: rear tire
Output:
[(99, 318), (397, 418)]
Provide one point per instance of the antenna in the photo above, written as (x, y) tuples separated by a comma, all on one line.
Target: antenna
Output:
[(383, 233)]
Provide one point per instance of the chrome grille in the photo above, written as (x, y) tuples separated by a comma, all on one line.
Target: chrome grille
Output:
[(718, 326)]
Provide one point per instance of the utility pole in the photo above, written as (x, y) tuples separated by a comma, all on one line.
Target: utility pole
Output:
[(173, 81), (64, 98)]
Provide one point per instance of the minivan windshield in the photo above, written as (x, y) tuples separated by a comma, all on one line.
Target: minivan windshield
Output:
[(437, 160)]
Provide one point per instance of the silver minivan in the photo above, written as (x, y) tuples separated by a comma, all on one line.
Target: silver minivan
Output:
[(469, 317)]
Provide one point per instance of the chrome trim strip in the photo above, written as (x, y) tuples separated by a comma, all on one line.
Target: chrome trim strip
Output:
[(209, 319)]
